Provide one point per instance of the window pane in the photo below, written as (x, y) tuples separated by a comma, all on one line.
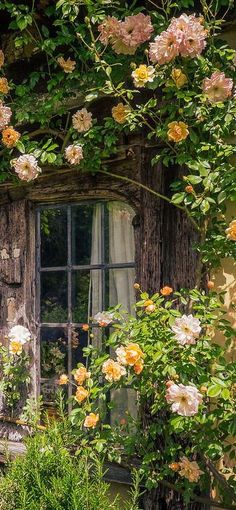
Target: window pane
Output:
[(54, 297), (119, 288), (86, 234), (79, 340), (53, 225), (118, 233), (86, 294), (53, 360)]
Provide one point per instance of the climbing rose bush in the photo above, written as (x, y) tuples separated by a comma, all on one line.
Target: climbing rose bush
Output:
[(14, 366), (166, 74), (179, 373)]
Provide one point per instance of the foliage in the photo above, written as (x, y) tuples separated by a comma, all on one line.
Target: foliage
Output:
[(44, 99), (204, 435), (14, 373), (49, 477)]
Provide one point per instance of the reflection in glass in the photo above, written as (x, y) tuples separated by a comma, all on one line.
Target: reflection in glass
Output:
[(54, 297), (82, 340), (53, 359), (86, 294), (53, 225), (86, 220)]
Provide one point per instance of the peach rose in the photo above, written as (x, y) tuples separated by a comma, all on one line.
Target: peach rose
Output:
[(81, 394), (113, 370), (4, 87), (10, 137), (120, 112), (166, 291), (91, 420), (81, 374), (64, 379)]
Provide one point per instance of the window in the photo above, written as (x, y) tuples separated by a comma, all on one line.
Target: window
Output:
[(85, 263)]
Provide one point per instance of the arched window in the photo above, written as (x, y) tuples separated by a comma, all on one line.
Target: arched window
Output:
[(85, 264)]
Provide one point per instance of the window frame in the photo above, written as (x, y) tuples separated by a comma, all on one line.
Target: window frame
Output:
[(69, 325)]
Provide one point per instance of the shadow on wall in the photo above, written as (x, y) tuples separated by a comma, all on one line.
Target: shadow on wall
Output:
[(225, 280)]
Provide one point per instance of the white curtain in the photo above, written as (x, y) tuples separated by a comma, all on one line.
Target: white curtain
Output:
[(121, 291), (95, 286)]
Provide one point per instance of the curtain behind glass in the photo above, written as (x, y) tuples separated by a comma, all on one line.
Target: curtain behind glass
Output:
[(95, 287), (121, 280), (121, 290)]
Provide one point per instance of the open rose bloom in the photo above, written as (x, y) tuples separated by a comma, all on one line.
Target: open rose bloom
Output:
[(91, 420), (18, 336), (82, 120), (177, 131), (113, 370), (126, 36), (130, 355), (187, 329), (81, 394), (74, 154), (26, 167), (142, 75), (81, 375), (10, 137), (184, 399), (217, 88), (185, 36), (190, 470), (120, 112)]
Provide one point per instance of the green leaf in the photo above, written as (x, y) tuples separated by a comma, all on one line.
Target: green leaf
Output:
[(178, 198), (214, 390), (194, 179)]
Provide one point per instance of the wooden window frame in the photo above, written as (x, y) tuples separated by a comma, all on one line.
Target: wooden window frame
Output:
[(68, 268)]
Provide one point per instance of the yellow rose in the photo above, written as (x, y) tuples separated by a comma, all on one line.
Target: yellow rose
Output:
[(179, 78), (143, 74), (15, 347), (177, 131), (120, 112), (133, 354), (91, 420), (81, 394)]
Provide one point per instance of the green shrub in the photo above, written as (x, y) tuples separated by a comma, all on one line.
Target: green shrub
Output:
[(49, 477)]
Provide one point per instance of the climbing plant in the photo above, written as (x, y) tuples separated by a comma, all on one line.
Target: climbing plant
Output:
[(169, 75)]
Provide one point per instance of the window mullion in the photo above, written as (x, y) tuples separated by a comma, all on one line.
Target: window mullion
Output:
[(69, 295)]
